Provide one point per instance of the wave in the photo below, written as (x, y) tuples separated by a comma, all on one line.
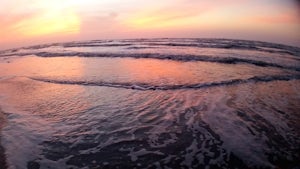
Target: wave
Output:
[(181, 42), (193, 42), (97, 45), (145, 86), (199, 43), (134, 48), (186, 58), (175, 57)]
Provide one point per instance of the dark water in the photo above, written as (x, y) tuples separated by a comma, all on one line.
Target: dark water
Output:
[(151, 103)]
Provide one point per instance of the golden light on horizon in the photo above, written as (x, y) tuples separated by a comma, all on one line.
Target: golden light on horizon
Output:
[(50, 22), (26, 22)]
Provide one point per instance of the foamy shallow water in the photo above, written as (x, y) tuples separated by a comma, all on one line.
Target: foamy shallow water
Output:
[(151, 103)]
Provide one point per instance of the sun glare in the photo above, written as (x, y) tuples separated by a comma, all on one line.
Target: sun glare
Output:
[(53, 19), (24, 22)]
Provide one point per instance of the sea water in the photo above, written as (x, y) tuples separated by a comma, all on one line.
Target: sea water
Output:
[(151, 103)]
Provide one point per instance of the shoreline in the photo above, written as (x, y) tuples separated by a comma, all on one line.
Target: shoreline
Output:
[(3, 163)]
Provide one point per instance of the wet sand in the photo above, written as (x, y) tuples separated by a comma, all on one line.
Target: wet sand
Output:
[(2, 155)]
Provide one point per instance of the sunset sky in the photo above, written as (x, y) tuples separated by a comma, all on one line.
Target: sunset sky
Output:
[(28, 22)]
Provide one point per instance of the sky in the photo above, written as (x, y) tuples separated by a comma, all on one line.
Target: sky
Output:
[(30, 22)]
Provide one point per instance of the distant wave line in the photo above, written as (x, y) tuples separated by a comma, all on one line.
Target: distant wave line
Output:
[(183, 42), (185, 58)]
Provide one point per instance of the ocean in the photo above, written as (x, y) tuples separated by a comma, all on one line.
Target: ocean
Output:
[(150, 103)]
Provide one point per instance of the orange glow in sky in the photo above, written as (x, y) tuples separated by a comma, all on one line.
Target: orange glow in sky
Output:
[(51, 23), (26, 22)]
